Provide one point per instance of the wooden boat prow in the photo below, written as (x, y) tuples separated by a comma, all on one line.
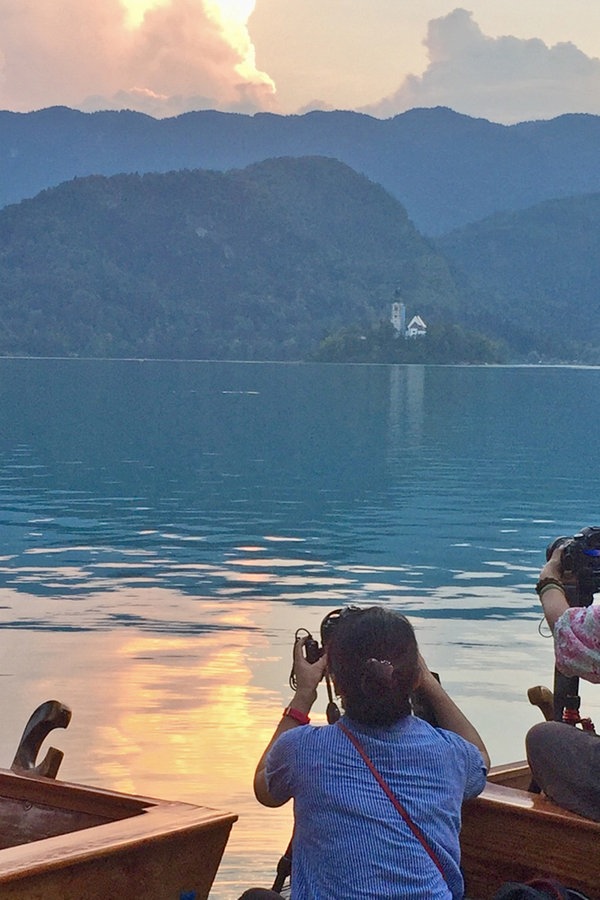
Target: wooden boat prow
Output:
[(62, 841), (511, 834)]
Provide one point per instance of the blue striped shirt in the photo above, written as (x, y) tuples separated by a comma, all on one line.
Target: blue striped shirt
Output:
[(349, 840)]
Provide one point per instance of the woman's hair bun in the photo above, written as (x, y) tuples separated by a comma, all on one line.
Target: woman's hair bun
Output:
[(377, 676)]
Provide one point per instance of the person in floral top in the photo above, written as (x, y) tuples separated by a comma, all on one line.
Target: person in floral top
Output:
[(564, 759)]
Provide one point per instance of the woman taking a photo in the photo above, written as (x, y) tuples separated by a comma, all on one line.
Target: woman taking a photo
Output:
[(377, 795)]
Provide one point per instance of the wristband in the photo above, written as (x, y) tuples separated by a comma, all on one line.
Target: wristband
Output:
[(295, 714), (545, 583)]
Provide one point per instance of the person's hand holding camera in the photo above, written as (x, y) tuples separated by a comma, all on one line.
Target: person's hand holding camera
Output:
[(550, 587), (307, 675), (553, 566)]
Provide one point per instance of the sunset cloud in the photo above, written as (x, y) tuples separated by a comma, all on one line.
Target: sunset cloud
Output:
[(505, 79), (88, 56), (166, 57)]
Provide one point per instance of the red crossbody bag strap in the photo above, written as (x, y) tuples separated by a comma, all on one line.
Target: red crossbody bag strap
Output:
[(383, 784)]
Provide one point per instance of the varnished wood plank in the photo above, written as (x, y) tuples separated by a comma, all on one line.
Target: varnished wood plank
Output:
[(152, 847), (509, 834)]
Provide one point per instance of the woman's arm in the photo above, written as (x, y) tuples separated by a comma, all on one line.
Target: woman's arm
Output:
[(447, 713), (308, 676), (552, 596)]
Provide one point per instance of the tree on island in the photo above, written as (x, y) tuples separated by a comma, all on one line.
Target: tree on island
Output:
[(443, 344)]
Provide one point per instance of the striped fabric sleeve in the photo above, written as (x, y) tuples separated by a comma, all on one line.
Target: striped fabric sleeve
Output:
[(280, 765), (475, 772)]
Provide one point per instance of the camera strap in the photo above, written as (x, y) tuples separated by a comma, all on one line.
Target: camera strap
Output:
[(391, 796)]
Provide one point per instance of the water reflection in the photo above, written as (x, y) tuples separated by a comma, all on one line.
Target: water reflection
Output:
[(186, 716), (407, 392), (179, 717), (167, 526)]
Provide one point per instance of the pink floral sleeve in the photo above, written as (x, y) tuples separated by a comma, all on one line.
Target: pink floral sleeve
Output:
[(577, 642)]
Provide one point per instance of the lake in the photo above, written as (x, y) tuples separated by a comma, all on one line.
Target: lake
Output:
[(167, 526)]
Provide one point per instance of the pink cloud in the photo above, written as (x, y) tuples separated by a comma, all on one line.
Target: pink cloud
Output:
[(85, 55)]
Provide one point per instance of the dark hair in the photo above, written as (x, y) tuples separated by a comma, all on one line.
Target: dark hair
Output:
[(373, 658)]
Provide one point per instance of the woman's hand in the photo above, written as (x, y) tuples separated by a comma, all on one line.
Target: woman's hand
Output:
[(308, 675), (553, 567), (425, 677), (553, 597)]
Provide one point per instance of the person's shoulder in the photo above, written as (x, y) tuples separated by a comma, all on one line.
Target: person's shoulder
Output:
[(467, 762), (301, 735), (457, 742), (580, 615)]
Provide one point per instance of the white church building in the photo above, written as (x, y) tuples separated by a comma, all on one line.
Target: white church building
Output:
[(415, 328)]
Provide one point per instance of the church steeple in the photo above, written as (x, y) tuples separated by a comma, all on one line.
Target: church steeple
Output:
[(398, 319)]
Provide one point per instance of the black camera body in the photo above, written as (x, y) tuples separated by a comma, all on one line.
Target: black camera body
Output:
[(581, 559), (312, 651)]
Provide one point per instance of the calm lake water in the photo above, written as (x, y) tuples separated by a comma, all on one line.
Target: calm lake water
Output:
[(166, 526)]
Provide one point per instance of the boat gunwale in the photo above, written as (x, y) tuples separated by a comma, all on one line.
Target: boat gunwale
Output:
[(510, 833), (150, 818)]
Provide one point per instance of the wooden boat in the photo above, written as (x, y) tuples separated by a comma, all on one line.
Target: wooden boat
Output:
[(512, 834), (61, 841)]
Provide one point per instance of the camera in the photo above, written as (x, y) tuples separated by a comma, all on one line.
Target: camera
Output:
[(580, 558), (312, 651)]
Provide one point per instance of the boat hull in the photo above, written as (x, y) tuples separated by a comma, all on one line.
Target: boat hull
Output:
[(511, 834), (61, 841)]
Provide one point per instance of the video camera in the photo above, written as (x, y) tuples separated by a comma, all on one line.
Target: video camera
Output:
[(581, 559)]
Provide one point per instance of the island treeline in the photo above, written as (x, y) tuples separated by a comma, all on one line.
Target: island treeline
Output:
[(443, 344)]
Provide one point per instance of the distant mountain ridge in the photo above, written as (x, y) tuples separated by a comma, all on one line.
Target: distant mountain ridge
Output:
[(445, 168)]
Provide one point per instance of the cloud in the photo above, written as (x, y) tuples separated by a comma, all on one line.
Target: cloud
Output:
[(313, 105), (86, 55), (504, 79)]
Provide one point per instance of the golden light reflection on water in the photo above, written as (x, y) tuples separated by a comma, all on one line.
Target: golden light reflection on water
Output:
[(186, 715), (172, 716)]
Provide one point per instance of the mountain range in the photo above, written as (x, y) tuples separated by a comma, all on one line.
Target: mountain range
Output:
[(494, 229), (446, 169)]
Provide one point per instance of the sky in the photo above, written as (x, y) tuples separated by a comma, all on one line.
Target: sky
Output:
[(503, 60)]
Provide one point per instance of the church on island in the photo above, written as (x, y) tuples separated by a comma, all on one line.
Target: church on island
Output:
[(415, 328)]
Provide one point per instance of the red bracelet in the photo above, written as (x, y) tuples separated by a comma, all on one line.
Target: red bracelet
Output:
[(300, 717)]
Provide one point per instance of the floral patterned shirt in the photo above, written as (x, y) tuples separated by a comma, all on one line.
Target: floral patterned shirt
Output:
[(577, 642)]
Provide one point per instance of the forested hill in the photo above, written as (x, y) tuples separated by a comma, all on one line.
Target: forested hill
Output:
[(535, 276), (257, 263), (446, 169)]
